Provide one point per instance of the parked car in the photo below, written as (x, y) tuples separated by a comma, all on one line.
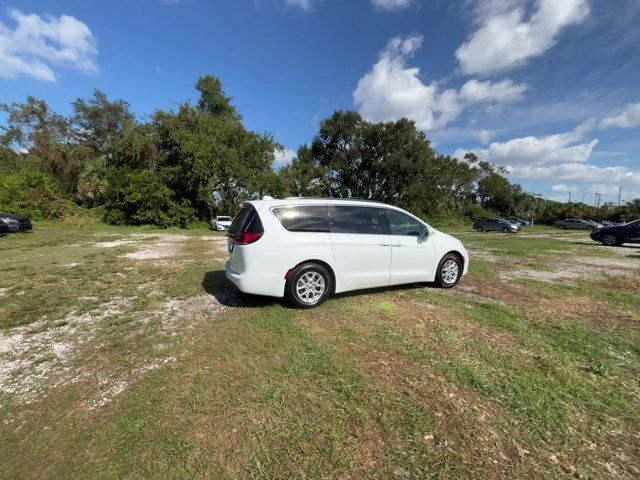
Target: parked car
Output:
[(618, 234), (306, 249), (520, 221), (496, 225), (608, 223), (576, 224), (4, 228), (15, 223), (221, 223)]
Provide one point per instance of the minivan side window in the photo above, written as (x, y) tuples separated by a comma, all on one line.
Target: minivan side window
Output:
[(303, 219), (401, 224), (352, 219)]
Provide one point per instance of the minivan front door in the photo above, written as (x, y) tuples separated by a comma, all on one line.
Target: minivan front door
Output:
[(412, 254), (361, 247)]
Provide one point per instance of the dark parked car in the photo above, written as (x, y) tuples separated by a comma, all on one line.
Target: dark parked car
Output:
[(577, 224), (15, 223), (496, 225), (520, 221), (618, 234)]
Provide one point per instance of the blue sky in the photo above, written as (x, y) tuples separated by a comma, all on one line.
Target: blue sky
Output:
[(548, 88)]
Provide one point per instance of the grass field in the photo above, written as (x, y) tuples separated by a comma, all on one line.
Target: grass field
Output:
[(125, 353)]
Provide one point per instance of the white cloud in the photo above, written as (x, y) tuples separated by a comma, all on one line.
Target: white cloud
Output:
[(484, 136), (563, 156), (38, 43), (582, 172), (391, 90), (532, 151), (390, 5), (475, 91), (561, 188), (303, 4), (630, 117), (505, 38), (283, 158)]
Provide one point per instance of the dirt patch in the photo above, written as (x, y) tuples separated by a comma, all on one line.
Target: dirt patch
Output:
[(41, 352), (585, 310), (111, 388), (220, 243), (164, 246), (563, 271), (115, 243), (45, 355)]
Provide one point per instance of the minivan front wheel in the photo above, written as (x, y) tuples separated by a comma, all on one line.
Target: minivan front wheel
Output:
[(308, 285), (449, 271)]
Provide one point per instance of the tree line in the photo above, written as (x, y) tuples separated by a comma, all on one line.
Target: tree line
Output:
[(180, 166)]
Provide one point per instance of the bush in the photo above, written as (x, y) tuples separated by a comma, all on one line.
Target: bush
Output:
[(140, 197), (35, 194)]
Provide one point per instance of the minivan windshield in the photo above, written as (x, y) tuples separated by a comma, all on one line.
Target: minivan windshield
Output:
[(224, 219)]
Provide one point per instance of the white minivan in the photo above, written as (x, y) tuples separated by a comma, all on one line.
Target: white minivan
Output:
[(306, 249)]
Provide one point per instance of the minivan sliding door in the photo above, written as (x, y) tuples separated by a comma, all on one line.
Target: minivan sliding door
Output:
[(361, 246)]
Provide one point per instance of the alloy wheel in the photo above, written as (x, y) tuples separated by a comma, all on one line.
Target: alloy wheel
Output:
[(310, 287), (450, 271)]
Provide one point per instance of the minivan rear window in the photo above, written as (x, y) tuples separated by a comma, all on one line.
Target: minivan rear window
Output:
[(303, 219), (363, 220), (247, 220)]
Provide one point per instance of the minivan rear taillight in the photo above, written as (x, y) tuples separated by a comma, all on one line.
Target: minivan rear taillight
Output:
[(245, 238)]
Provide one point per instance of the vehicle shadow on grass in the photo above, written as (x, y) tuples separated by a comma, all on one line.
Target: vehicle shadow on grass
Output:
[(394, 288), (215, 283), (594, 244)]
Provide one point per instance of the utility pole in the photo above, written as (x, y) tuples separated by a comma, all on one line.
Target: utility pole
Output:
[(570, 192), (596, 202), (620, 195), (582, 197)]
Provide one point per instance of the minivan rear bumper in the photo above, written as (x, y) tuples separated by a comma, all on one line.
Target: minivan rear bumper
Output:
[(269, 287)]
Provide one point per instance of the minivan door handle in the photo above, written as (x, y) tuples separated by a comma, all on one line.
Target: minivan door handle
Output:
[(384, 244)]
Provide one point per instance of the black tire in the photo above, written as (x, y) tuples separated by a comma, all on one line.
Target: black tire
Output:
[(505, 230), (295, 295), (611, 240), (441, 276), (562, 227), (480, 229)]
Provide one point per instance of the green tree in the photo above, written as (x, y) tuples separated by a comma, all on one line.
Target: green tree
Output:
[(209, 157), (140, 198), (99, 121)]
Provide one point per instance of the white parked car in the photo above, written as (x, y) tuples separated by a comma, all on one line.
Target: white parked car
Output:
[(306, 249), (221, 223)]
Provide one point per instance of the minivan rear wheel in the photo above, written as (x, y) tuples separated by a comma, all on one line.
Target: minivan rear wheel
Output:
[(449, 271), (308, 285), (505, 230)]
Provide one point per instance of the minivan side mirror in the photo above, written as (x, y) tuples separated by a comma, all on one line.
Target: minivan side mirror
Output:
[(424, 232)]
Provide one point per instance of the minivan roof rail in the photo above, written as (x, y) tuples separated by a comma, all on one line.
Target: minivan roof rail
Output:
[(354, 199)]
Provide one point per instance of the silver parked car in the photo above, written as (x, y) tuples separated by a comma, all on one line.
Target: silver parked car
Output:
[(577, 224), (496, 225)]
